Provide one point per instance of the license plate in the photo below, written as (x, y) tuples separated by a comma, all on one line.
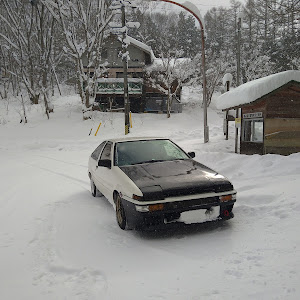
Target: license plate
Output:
[(200, 215)]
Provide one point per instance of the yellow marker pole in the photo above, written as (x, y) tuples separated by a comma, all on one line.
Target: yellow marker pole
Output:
[(126, 129), (130, 120), (97, 129)]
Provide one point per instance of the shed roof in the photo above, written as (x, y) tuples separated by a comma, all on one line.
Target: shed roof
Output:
[(255, 89)]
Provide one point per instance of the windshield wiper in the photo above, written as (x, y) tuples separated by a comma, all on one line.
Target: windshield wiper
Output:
[(150, 161)]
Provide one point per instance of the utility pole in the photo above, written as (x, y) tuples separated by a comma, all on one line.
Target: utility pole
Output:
[(125, 67), (120, 5), (227, 112), (206, 128), (238, 71), (238, 64), (227, 79)]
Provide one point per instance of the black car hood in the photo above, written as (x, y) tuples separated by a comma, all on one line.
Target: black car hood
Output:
[(158, 180)]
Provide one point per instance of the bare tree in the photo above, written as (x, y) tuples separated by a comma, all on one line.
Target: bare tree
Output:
[(168, 74), (29, 34), (83, 24)]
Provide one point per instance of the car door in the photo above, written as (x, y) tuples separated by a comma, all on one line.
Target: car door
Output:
[(103, 175)]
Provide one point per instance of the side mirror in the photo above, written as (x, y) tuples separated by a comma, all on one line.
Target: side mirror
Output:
[(104, 163), (192, 154)]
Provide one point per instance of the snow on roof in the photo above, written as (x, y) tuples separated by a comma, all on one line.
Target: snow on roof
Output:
[(255, 89), (140, 45), (118, 80)]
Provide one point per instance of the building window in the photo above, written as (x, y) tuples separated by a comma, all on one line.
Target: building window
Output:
[(253, 130), (136, 74), (104, 54)]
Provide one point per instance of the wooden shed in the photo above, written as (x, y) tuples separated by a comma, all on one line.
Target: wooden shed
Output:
[(270, 113)]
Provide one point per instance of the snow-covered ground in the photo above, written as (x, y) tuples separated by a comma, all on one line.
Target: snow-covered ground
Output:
[(58, 242)]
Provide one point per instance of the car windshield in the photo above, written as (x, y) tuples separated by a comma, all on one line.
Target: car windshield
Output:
[(138, 152)]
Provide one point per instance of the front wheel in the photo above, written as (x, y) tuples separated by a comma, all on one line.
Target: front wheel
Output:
[(120, 213), (95, 192)]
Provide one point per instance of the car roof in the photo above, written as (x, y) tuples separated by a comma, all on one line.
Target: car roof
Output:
[(129, 139)]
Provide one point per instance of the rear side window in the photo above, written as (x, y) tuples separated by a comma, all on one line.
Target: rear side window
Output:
[(96, 153), (106, 151)]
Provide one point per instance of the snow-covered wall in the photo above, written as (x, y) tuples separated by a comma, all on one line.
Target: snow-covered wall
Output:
[(255, 89)]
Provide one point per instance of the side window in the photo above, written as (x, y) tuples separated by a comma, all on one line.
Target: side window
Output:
[(253, 131), (96, 153), (106, 151)]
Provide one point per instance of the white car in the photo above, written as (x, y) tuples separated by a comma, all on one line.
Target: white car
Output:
[(151, 181)]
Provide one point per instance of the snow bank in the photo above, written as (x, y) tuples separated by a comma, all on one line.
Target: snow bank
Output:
[(191, 95), (255, 89)]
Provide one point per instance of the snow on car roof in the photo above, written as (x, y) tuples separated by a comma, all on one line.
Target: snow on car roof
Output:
[(255, 89), (129, 139)]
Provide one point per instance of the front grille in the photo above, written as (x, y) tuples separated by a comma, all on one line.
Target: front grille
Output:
[(195, 203), (220, 187), (188, 191), (223, 188)]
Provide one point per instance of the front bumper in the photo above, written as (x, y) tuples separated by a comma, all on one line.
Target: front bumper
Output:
[(138, 217)]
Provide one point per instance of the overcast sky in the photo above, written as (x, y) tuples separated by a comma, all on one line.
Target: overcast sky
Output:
[(204, 5)]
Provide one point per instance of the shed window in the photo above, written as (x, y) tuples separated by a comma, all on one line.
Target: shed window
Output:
[(253, 130)]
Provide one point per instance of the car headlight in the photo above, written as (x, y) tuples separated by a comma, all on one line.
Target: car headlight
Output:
[(227, 198), (149, 208), (136, 197), (142, 208)]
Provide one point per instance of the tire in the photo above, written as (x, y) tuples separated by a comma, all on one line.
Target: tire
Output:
[(94, 189), (120, 213)]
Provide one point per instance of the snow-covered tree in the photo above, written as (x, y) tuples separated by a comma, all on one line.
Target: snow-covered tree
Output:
[(83, 25), (28, 33), (254, 65), (168, 74)]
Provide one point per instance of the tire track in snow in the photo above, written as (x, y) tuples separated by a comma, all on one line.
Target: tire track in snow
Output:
[(59, 160), (71, 178), (52, 273)]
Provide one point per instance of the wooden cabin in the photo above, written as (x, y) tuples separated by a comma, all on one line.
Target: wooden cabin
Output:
[(270, 113), (110, 88)]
